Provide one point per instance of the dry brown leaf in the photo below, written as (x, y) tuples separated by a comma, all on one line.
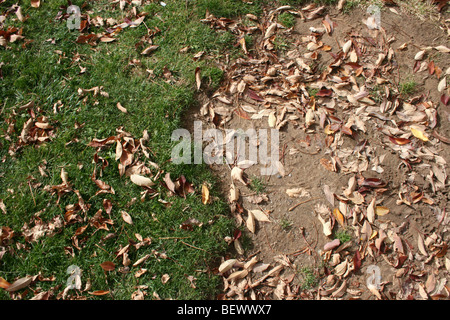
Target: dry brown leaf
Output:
[(165, 278), (141, 180), (19, 284), (198, 78), (259, 215), (381, 211), (234, 193), (126, 217), (99, 292), (371, 211), (238, 174), (149, 49), (121, 108), (35, 3), (108, 266), (227, 265), (250, 222), (297, 192)]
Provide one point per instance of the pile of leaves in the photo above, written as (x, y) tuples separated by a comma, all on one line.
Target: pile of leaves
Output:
[(334, 100)]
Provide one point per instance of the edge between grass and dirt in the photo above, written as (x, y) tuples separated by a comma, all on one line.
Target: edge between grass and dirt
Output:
[(63, 192)]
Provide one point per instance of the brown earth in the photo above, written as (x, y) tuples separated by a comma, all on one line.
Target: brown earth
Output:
[(294, 237)]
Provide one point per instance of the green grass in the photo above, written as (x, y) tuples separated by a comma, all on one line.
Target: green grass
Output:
[(286, 19), (312, 91), (47, 73), (343, 236), (285, 224), (257, 185), (407, 88), (308, 278)]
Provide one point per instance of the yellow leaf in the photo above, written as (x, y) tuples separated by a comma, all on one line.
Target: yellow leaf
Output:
[(419, 134), (4, 284), (99, 292), (339, 217), (381, 211), (205, 194)]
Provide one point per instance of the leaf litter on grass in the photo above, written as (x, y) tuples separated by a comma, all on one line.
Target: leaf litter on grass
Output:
[(135, 161), (264, 84)]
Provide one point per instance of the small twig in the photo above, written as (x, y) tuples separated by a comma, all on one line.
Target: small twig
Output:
[(295, 206), (268, 243), (32, 195), (4, 105), (297, 252), (189, 245), (172, 238)]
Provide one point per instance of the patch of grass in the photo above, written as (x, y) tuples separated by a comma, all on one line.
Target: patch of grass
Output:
[(349, 6), (285, 223), (343, 236), (48, 73), (312, 91), (227, 8), (281, 43), (309, 280), (257, 185), (292, 2), (376, 93), (407, 88), (286, 19)]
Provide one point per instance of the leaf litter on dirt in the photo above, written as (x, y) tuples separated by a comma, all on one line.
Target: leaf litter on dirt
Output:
[(278, 86)]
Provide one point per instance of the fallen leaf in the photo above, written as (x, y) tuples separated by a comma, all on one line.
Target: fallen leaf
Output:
[(331, 245), (227, 265), (399, 141), (234, 193), (198, 78), (297, 192), (149, 49), (237, 174), (339, 217), (442, 84), (169, 183), (260, 216), (141, 180), (272, 119), (419, 55), (121, 108), (35, 3), (108, 266), (99, 293), (421, 245), (250, 222), (442, 49), (126, 217), (418, 134), (4, 284), (19, 284), (165, 278), (346, 47), (381, 211), (205, 194)]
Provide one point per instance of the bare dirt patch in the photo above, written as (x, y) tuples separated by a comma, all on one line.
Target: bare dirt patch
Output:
[(363, 128)]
